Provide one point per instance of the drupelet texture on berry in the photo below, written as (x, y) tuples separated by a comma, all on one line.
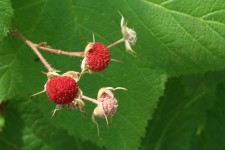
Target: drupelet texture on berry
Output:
[(61, 89), (108, 103), (98, 57)]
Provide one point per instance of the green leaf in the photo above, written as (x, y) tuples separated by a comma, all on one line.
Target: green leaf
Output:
[(2, 119), (2, 122), (63, 35), (6, 13), (173, 40), (34, 131), (11, 136), (214, 131), (10, 71), (189, 115), (186, 42)]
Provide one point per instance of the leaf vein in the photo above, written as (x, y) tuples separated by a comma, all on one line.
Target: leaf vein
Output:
[(158, 39)]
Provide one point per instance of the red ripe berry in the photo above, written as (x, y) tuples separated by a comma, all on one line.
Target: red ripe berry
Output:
[(61, 89), (98, 57)]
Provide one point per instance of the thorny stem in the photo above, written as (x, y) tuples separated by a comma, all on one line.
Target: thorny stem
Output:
[(115, 43), (89, 99), (43, 46), (58, 51), (78, 54), (33, 47)]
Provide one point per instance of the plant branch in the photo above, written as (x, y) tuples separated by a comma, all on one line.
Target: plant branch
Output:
[(115, 43), (89, 99), (58, 51), (33, 47)]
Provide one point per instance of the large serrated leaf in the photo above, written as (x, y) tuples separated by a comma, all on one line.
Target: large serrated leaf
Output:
[(172, 40), (10, 71), (33, 131), (188, 116)]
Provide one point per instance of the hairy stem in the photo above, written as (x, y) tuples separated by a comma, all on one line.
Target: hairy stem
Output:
[(58, 51), (89, 99), (33, 47), (115, 43)]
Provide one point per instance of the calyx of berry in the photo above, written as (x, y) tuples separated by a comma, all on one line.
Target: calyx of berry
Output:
[(77, 102), (73, 74), (129, 35)]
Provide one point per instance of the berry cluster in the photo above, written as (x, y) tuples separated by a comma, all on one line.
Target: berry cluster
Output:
[(64, 90)]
